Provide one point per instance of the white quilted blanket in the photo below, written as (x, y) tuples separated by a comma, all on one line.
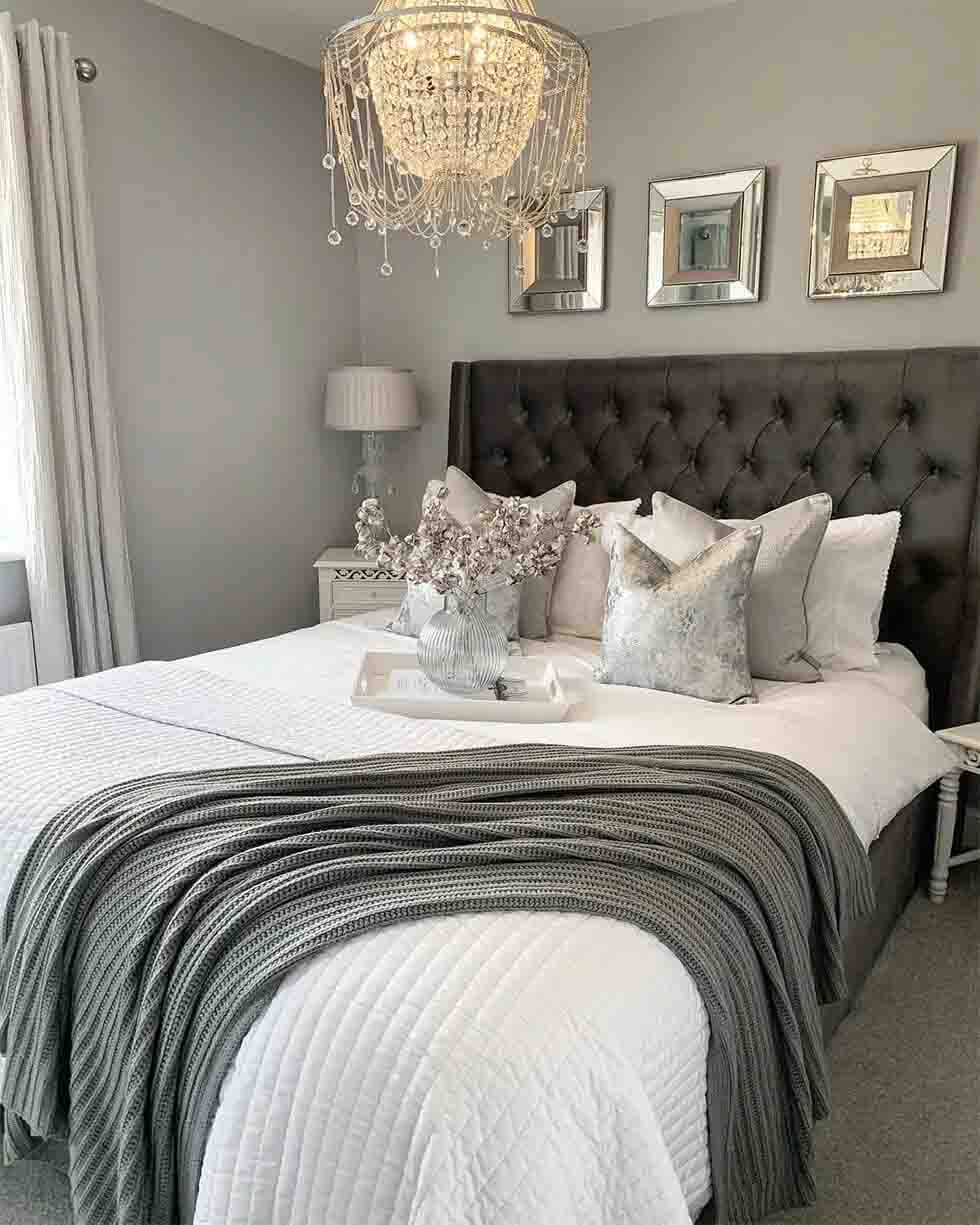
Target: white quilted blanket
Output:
[(507, 1069)]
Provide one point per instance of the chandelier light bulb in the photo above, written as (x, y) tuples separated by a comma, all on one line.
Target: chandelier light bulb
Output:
[(460, 118)]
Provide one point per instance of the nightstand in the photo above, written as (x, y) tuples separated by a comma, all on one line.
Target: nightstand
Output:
[(965, 743), (350, 584)]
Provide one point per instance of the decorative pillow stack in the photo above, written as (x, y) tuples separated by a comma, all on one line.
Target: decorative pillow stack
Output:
[(522, 609), (779, 645), (681, 628)]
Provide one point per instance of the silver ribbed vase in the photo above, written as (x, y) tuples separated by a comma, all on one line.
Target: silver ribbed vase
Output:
[(463, 649)]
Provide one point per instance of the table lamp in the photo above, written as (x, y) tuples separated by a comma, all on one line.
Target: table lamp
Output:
[(374, 400)]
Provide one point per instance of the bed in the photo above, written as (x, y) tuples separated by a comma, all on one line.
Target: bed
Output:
[(520, 1067)]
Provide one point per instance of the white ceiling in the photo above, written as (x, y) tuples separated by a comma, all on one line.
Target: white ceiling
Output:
[(296, 28)]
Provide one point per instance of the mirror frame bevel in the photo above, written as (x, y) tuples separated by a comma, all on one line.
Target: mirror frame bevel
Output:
[(750, 183), (939, 163), (593, 205)]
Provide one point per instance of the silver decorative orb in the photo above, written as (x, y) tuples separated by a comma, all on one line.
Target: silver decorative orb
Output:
[(86, 69)]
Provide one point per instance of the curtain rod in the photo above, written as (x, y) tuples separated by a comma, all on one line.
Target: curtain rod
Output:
[(85, 69)]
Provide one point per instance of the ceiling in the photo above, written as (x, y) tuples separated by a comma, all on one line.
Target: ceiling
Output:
[(296, 28)]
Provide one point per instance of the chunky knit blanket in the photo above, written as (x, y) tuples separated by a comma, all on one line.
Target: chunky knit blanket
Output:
[(150, 924)]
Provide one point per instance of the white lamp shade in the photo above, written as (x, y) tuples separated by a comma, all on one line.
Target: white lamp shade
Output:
[(370, 398)]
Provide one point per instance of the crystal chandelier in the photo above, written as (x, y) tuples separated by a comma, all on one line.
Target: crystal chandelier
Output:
[(466, 119)]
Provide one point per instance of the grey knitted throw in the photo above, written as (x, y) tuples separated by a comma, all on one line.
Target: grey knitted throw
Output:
[(150, 925)]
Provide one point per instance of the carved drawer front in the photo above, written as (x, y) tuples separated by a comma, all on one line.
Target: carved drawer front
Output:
[(350, 597)]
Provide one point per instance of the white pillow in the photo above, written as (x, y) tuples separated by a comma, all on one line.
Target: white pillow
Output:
[(846, 590), (578, 602)]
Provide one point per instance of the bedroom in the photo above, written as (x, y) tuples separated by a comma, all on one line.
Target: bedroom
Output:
[(225, 309)]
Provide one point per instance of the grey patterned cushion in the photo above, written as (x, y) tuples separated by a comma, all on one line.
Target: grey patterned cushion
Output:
[(422, 601), (681, 629), (467, 500), (778, 631)]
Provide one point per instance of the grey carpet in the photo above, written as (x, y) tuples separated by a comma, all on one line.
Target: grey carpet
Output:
[(903, 1144)]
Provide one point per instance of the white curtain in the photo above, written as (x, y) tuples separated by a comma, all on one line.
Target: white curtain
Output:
[(55, 391)]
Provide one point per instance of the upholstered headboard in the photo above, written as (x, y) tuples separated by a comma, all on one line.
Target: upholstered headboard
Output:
[(739, 435)]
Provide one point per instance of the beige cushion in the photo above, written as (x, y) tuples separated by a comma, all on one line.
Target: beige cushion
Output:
[(578, 602), (681, 629), (467, 500), (778, 630)]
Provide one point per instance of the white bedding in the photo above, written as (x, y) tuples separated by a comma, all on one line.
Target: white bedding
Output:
[(846, 729), (507, 1069)]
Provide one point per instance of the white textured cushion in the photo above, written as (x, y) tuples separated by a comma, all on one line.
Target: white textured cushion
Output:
[(422, 602), (578, 603), (847, 587), (778, 636)]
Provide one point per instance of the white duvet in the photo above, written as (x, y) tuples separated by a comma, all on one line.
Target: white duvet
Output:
[(506, 1069)]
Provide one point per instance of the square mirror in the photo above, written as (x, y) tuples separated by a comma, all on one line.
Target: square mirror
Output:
[(705, 239), (881, 223), (560, 265)]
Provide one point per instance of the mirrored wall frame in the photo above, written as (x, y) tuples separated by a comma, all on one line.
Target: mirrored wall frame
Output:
[(880, 223), (559, 267), (705, 238)]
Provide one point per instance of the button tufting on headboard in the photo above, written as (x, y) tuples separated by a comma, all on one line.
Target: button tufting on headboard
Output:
[(742, 434)]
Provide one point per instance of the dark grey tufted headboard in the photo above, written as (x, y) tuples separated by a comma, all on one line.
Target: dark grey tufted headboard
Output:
[(739, 435)]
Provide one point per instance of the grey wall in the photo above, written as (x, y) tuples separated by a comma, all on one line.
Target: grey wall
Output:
[(759, 82), (14, 605), (224, 309)]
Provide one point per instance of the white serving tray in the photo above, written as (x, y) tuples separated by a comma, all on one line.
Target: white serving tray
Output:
[(395, 684)]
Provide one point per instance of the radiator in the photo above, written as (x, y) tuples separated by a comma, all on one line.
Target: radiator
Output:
[(17, 669)]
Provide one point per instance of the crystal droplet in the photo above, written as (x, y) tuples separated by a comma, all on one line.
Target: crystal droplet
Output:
[(361, 90), (548, 231), (486, 244), (329, 162), (583, 245), (370, 224), (355, 198), (435, 242), (464, 229), (335, 238), (386, 269), (572, 214), (352, 218)]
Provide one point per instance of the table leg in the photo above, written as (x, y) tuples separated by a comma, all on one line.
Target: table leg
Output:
[(949, 791)]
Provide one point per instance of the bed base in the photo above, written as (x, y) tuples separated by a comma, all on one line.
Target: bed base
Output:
[(897, 860)]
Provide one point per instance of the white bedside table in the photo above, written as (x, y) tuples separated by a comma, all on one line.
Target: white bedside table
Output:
[(350, 584), (965, 743)]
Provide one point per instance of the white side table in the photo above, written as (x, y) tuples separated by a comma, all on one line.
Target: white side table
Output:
[(965, 743), (350, 584)]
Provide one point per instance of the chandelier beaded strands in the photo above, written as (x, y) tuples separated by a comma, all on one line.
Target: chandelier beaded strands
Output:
[(454, 119)]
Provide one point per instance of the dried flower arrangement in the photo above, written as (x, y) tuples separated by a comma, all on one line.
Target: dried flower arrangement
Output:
[(508, 544)]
